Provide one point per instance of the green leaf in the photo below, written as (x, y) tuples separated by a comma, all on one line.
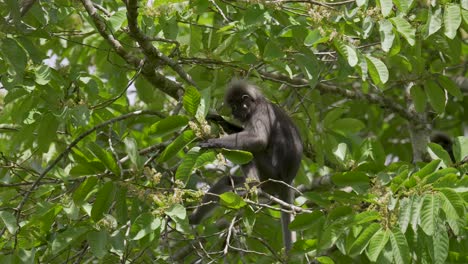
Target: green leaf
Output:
[(237, 156), (452, 20), (205, 158), (439, 245), (305, 221), (232, 200), (188, 163), (85, 189), (131, 148), (351, 178), (177, 145), (366, 217), (71, 236), (348, 52), (168, 125), (347, 125), (312, 38), (104, 199), (177, 212), (104, 156), (272, 51), (377, 69), (42, 74), (401, 253), (453, 89), (460, 148), (98, 241), (10, 221), (191, 100), (452, 204), (438, 152), (15, 55), (309, 67), (404, 213), (144, 225), (196, 40), (403, 5), (434, 22), (436, 96), (325, 260), (341, 151), (439, 174), (47, 131), (386, 7), (363, 239), (419, 98), (427, 169), (405, 29), (377, 244), (386, 35), (429, 213), (117, 19), (416, 204), (227, 43)]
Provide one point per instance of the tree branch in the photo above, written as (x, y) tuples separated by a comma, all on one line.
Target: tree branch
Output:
[(370, 97), (147, 46), (166, 85)]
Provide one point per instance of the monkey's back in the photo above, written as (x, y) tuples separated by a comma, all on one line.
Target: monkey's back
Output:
[(282, 157)]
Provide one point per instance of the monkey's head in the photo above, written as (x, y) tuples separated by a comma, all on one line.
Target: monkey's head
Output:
[(243, 99)]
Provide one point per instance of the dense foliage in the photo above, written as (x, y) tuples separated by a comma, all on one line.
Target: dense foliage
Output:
[(103, 103)]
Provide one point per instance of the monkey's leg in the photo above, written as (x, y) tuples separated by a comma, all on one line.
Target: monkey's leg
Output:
[(210, 200)]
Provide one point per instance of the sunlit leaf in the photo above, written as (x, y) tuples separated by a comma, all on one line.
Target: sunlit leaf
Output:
[(191, 100), (438, 152), (400, 249), (9, 221), (377, 244), (348, 52), (377, 69), (386, 7), (363, 239), (452, 20), (144, 225), (386, 35), (232, 200), (439, 245), (237, 156), (460, 148), (429, 213), (434, 22), (405, 29)]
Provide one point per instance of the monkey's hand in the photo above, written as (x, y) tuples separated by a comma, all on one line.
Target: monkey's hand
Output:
[(207, 144)]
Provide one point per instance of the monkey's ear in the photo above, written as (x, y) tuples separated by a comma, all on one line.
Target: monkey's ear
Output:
[(246, 97)]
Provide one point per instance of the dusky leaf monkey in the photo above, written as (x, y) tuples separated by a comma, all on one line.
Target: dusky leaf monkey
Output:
[(273, 139)]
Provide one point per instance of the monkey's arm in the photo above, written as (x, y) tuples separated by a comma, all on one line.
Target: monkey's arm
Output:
[(253, 139), (228, 127)]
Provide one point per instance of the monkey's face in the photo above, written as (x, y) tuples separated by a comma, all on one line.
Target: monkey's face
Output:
[(242, 107)]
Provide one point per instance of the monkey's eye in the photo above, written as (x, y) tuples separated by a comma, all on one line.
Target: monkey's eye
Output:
[(245, 97)]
